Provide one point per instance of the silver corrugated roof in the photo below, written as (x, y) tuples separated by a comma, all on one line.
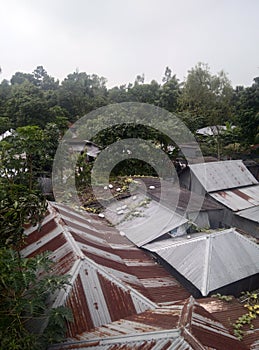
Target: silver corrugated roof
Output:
[(250, 214), (143, 220), (210, 261), (216, 176), (239, 198), (212, 130)]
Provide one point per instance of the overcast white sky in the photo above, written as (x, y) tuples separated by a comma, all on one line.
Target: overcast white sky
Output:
[(119, 39)]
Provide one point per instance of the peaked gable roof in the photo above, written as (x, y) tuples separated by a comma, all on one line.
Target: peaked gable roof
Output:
[(228, 174), (110, 277), (210, 261)]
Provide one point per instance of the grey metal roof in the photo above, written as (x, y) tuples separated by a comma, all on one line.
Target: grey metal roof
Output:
[(143, 220), (179, 326), (250, 214), (212, 130), (175, 197), (216, 176), (210, 261), (239, 198)]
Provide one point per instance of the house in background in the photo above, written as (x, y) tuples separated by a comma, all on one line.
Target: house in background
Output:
[(230, 184), (77, 145)]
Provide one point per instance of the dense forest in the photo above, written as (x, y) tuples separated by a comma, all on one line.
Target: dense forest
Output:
[(40, 109), (202, 99)]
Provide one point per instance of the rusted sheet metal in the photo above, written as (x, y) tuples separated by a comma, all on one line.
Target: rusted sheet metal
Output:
[(110, 277), (184, 325), (217, 176), (228, 313), (238, 199)]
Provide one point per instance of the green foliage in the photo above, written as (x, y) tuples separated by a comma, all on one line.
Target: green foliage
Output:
[(18, 208), (83, 172), (25, 287), (28, 154), (206, 96), (252, 306), (247, 111), (222, 297)]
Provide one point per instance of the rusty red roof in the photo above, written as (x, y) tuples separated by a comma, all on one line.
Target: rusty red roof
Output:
[(227, 312), (110, 277), (180, 325)]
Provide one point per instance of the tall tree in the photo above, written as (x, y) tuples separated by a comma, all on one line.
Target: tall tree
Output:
[(170, 91), (80, 93), (27, 105), (206, 96)]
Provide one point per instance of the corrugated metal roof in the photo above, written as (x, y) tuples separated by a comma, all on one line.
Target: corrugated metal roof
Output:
[(239, 198), (143, 220), (212, 130), (250, 214), (222, 175), (210, 261), (175, 196), (184, 325), (227, 312), (111, 278)]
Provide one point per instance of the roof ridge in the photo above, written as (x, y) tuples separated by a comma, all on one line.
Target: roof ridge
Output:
[(101, 269), (207, 258)]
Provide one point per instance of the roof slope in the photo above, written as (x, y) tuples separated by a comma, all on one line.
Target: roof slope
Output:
[(250, 214), (210, 261), (184, 325), (143, 220), (175, 197), (110, 277), (227, 312), (239, 198), (216, 176)]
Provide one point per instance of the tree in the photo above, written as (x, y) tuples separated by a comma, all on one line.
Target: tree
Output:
[(206, 96), (170, 91), (80, 93), (27, 106), (247, 111), (43, 80), (206, 99), (146, 93), (25, 285)]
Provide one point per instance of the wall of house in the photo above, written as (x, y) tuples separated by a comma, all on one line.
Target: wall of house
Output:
[(246, 284), (246, 225)]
